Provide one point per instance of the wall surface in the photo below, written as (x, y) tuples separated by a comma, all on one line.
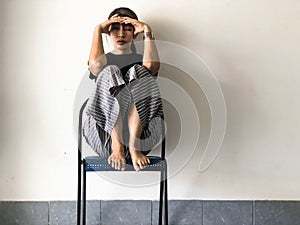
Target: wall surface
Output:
[(251, 46)]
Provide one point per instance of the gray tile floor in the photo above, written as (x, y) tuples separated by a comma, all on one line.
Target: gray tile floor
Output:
[(181, 212)]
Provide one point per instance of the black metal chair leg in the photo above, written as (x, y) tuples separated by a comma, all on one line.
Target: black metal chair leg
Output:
[(80, 163), (161, 194), (84, 195), (79, 189), (166, 196)]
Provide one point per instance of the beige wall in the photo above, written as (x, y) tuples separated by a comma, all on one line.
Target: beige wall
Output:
[(252, 47)]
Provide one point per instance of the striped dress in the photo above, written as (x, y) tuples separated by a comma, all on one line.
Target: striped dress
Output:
[(122, 83)]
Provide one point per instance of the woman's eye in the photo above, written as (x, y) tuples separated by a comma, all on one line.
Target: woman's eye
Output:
[(128, 28), (115, 26)]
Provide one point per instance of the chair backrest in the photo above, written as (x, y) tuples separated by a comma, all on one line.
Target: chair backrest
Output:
[(80, 127)]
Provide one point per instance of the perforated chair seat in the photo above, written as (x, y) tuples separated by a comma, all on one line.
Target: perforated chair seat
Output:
[(96, 163)]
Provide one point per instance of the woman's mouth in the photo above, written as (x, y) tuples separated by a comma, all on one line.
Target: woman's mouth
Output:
[(121, 42)]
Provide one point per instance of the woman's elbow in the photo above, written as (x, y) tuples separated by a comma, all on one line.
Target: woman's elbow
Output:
[(95, 68), (97, 64), (153, 67)]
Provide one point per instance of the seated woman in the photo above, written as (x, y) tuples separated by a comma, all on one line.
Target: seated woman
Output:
[(124, 110)]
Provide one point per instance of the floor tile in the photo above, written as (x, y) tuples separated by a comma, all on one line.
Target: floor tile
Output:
[(24, 213), (277, 212), (227, 212), (126, 212), (181, 212), (65, 213)]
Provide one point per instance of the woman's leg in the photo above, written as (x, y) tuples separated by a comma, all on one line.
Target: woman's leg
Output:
[(117, 157), (103, 129), (139, 160), (145, 126)]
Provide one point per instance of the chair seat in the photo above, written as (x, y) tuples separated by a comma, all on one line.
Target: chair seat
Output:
[(96, 163)]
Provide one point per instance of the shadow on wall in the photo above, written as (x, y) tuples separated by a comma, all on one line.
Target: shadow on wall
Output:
[(166, 30), (173, 117)]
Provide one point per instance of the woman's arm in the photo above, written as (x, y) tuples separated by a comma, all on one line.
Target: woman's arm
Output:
[(97, 58), (151, 58)]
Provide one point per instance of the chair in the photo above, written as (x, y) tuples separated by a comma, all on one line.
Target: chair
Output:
[(95, 163)]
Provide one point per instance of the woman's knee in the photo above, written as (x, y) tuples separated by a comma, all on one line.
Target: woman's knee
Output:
[(139, 68), (110, 72), (138, 71), (110, 69)]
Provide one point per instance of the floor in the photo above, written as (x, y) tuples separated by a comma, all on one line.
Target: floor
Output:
[(181, 212)]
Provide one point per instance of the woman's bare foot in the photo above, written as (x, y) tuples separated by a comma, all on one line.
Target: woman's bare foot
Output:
[(117, 157), (139, 160)]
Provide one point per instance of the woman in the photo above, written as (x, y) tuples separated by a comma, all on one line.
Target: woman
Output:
[(124, 111)]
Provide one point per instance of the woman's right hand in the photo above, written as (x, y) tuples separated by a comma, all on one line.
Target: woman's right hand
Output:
[(106, 25)]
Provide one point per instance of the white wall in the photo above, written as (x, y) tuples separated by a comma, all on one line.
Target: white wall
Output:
[(252, 47)]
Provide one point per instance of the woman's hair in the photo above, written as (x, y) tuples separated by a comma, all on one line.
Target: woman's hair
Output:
[(125, 12)]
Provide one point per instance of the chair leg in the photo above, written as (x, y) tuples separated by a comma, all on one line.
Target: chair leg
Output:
[(84, 195), (79, 189), (166, 196), (161, 198)]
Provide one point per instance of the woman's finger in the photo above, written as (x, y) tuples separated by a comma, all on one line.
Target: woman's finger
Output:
[(116, 15), (130, 20)]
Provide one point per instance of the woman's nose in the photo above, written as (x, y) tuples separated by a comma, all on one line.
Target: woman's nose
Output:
[(121, 32)]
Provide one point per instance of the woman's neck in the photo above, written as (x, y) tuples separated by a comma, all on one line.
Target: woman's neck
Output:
[(121, 51)]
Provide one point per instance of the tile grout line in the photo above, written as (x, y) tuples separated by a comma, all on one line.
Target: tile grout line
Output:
[(48, 212)]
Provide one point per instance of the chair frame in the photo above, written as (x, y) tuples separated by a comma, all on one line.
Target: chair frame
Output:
[(82, 169)]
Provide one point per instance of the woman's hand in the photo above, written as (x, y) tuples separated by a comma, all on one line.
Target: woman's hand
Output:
[(106, 25), (139, 26)]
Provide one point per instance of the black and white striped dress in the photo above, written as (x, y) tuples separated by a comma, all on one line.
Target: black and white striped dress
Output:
[(123, 82)]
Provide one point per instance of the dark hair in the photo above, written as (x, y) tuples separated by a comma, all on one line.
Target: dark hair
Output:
[(125, 12)]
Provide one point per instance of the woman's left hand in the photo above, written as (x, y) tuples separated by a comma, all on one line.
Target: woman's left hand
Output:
[(139, 26)]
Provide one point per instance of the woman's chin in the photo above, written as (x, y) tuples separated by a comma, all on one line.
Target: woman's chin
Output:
[(122, 46)]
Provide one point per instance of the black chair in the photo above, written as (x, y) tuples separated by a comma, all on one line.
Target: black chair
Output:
[(95, 163)]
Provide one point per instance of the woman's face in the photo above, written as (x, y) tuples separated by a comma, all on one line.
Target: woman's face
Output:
[(121, 35)]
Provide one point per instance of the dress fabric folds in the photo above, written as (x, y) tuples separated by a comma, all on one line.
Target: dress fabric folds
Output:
[(112, 98)]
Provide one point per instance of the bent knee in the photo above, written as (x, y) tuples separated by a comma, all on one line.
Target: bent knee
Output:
[(109, 72), (139, 68), (138, 71), (110, 69)]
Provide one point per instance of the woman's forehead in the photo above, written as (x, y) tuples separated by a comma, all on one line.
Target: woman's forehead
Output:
[(117, 25)]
